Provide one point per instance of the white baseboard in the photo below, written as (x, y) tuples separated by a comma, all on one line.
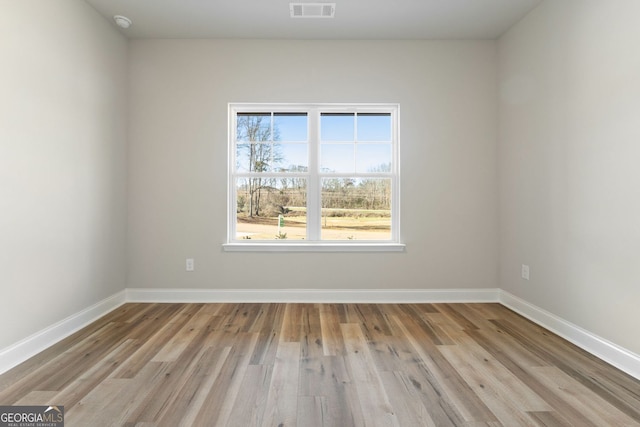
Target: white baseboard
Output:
[(611, 353), (24, 349), (313, 295)]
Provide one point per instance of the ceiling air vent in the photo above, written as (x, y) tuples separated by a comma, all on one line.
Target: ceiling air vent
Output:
[(312, 10)]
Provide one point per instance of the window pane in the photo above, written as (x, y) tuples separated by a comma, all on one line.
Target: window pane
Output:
[(290, 126), (373, 158), (242, 157), (253, 127), (374, 127), (337, 158), (337, 127), (271, 208), (356, 209), (291, 158), (255, 157)]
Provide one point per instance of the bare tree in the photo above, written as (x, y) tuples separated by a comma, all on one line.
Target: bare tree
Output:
[(261, 151)]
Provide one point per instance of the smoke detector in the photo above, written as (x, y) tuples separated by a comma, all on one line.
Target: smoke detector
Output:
[(312, 10), (122, 21)]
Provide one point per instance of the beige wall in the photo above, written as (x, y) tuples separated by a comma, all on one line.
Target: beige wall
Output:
[(62, 163), (569, 150), (178, 159)]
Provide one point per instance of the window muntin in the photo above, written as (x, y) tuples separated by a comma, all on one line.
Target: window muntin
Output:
[(314, 173)]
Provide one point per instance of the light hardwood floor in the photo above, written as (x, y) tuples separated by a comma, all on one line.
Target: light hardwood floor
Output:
[(322, 365)]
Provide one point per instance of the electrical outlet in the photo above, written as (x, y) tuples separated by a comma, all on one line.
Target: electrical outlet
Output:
[(191, 266), (525, 272)]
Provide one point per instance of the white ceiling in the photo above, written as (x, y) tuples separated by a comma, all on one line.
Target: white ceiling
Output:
[(354, 19)]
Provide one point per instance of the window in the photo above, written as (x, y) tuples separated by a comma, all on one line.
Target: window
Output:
[(313, 176)]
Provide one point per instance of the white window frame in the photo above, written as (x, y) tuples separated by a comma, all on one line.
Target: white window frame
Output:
[(313, 243)]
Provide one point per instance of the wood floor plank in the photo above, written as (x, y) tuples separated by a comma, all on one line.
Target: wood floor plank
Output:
[(343, 365), (250, 410), (453, 312), (90, 379), (332, 342), (313, 412), (600, 411), (37, 398), (500, 377), (217, 406), (236, 319), (91, 410), (179, 372), (268, 329), (443, 379), (27, 368), (373, 322), (376, 407), (65, 368), (184, 337), (391, 353), (310, 332), (574, 362), (282, 403), (550, 419), (191, 393), (291, 323), (514, 358), (328, 377), (120, 397), (435, 397), (148, 350), (405, 400), (507, 410), (433, 331)]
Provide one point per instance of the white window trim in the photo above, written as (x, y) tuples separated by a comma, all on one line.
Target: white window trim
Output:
[(314, 244), (313, 247)]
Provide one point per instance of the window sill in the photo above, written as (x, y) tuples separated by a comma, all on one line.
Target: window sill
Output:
[(313, 247)]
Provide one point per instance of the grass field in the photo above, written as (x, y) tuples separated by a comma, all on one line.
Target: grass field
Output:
[(337, 224)]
